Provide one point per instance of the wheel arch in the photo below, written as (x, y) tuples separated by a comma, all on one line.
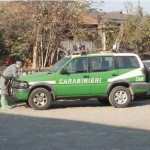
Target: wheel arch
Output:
[(43, 85), (123, 83)]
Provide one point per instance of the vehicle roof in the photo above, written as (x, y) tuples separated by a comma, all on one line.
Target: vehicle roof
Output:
[(104, 54)]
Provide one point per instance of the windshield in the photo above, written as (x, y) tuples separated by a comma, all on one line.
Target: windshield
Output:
[(59, 64)]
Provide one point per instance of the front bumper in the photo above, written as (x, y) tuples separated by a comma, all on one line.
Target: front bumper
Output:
[(21, 94)]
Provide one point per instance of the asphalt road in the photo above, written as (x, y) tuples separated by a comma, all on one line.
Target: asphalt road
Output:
[(76, 125)]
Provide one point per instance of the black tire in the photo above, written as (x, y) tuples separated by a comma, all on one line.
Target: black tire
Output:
[(27, 105), (40, 99), (122, 100), (104, 101)]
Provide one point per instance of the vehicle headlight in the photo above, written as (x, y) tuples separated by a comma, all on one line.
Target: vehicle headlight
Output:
[(20, 84)]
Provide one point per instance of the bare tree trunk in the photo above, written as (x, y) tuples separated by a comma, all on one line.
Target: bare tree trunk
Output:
[(104, 39), (48, 49), (101, 33), (35, 51), (120, 36), (51, 57), (42, 65), (34, 65), (47, 54)]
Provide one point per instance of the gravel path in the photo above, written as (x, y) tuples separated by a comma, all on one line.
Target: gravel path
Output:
[(76, 125)]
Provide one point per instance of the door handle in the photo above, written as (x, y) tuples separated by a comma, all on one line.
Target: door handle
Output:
[(114, 74), (85, 76)]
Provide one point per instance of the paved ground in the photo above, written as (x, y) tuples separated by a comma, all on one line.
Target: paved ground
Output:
[(76, 125)]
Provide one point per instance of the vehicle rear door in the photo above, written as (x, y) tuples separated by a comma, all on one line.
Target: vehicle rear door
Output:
[(102, 69)]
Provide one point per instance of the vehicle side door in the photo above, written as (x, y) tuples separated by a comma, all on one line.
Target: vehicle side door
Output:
[(73, 79), (102, 69)]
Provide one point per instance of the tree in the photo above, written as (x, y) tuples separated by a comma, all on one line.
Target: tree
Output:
[(35, 29), (137, 34)]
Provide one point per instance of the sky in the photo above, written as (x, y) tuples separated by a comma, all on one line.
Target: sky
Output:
[(117, 5)]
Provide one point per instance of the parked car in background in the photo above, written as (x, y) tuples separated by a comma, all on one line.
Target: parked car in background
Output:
[(147, 67), (146, 63), (8, 60)]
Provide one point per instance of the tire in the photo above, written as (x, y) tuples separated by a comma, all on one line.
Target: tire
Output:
[(40, 99), (104, 101), (120, 97)]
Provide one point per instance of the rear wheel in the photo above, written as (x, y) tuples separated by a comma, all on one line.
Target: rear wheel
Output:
[(120, 97), (40, 99)]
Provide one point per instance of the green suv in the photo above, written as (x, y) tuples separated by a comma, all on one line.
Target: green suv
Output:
[(113, 78)]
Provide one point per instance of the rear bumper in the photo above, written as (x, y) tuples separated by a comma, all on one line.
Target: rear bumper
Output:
[(140, 87)]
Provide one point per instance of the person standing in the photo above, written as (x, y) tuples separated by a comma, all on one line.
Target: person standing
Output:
[(9, 72)]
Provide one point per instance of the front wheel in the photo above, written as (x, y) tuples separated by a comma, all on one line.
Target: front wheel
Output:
[(120, 97), (40, 99)]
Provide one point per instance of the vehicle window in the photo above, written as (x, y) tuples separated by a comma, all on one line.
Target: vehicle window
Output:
[(102, 63), (127, 62), (77, 65), (59, 64)]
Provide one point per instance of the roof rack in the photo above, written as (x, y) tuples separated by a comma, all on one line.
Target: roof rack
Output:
[(83, 52)]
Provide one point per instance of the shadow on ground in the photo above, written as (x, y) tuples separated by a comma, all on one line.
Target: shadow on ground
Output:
[(81, 103), (31, 133)]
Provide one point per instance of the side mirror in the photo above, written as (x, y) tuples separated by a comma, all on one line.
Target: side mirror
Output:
[(64, 71)]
